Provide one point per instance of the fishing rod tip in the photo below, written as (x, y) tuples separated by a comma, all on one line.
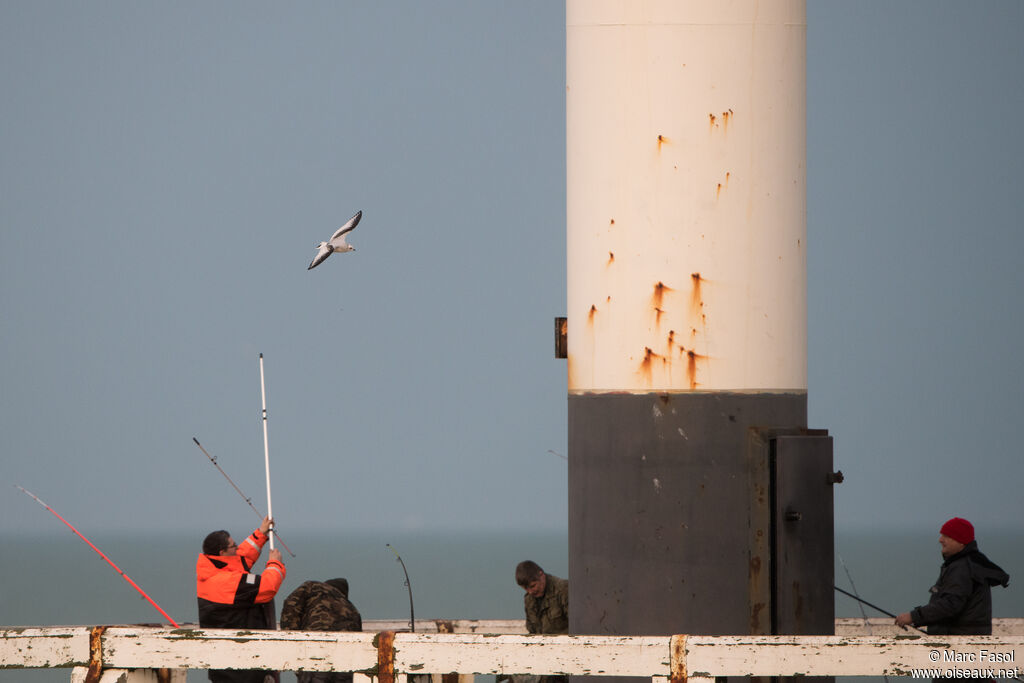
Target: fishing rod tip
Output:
[(196, 440)]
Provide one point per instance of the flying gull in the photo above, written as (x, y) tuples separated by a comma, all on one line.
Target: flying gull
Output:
[(336, 243)]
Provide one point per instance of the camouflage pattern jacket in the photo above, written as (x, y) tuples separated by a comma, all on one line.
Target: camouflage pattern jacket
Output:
[(549, 614), (317, 606)]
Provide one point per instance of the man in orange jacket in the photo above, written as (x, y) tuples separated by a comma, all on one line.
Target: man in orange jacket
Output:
[(230, 596)]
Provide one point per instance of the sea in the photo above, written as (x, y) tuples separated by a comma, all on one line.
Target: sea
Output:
[(57, 580)]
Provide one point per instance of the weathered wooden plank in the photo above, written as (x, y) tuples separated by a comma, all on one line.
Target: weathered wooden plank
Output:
[(884, 626), (679, 657), (55, 646), (133, 648), (842, 656), (540, 655), (488, 626)]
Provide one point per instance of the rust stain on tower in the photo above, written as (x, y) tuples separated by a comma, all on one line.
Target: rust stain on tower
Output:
[(647, 364), (696, 301), (657, 298), (692, 358)]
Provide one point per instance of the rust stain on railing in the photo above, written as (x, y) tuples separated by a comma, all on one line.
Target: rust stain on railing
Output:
[(95, 654), (385, 657), (677, 660)]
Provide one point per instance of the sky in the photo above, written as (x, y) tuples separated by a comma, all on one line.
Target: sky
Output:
[(168, 168)]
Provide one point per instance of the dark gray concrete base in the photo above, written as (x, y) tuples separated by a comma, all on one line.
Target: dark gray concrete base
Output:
[(668, 511)]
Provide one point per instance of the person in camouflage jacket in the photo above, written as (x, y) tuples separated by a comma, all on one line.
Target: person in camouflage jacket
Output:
[(321, 606), (546, 604), (546, 601)]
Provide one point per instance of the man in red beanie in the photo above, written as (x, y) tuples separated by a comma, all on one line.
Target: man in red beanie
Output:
[(961, 601)]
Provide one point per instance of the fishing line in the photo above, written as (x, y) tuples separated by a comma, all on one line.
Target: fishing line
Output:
[(860, 604), (109, 561), (245, 497)]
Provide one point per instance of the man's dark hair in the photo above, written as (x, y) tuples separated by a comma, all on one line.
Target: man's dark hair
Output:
[(340, 584), (216, 541), (527, 571)]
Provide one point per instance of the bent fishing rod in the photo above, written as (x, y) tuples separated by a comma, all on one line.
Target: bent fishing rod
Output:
[(109, 561), (412, 614), (235, 486)]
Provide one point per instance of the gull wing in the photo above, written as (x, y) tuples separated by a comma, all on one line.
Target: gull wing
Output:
[(348, 227), (321, 255)]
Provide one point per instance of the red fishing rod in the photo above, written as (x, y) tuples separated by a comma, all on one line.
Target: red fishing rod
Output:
[(116, 568)]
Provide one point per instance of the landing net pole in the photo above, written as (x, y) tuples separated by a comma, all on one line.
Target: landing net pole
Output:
[(266, 455), (100, 553)]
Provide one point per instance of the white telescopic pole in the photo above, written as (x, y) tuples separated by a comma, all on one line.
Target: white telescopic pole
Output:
[(266, 452)]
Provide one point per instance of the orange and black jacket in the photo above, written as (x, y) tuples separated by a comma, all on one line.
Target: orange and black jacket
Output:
[(229, 595)]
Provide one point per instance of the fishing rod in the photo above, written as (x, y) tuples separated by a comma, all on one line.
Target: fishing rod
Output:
[(885, 612), (109, 561), (890, 614), (412, 614), (235, 486), (266, 456)]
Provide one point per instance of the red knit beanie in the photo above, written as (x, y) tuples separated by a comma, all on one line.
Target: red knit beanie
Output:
[(959, 529)]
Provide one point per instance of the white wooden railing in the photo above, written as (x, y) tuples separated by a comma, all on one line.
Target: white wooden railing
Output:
[(134, 654)]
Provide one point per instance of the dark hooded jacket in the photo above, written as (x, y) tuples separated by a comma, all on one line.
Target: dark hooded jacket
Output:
[(961, 601)]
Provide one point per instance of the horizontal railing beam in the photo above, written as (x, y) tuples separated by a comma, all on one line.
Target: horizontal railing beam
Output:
[(51, 647), (712, 656), (677, 657)]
